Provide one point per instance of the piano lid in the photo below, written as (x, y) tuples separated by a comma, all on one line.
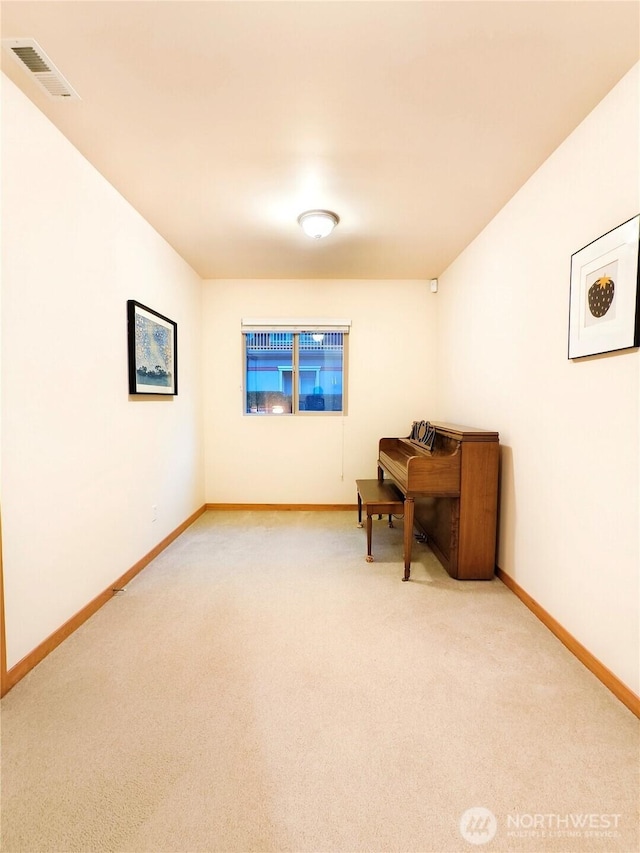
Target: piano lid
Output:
[(464, 433)]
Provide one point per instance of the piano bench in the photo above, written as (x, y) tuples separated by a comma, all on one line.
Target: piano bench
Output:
[(378, 498)]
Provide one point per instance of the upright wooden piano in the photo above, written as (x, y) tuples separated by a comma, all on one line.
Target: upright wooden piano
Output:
[(450, 493)]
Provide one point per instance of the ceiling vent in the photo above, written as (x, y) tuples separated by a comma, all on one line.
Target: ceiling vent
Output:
[(33, 58)]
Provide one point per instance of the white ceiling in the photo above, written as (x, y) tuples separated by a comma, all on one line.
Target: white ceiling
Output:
[(415, 122)]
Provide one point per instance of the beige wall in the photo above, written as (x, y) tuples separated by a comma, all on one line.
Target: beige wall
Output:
[(570, 513), (392, 381), (82, 463)]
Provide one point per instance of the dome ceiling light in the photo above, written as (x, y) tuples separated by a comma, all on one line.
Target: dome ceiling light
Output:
[(318, 223)]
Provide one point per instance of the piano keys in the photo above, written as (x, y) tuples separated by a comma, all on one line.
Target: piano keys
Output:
[(450, 494)]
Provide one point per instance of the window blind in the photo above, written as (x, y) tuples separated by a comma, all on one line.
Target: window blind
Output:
[(295, 324)]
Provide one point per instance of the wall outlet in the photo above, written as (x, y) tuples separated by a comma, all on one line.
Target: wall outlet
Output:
[(154, 512)]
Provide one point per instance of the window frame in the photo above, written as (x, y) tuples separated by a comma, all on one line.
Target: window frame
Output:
[(296, 327)]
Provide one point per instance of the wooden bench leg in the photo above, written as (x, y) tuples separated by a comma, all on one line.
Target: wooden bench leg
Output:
[(408, 536), (369, 530), (359, 510)]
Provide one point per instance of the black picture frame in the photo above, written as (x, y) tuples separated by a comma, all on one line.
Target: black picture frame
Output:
[(604, 295), (153, 351)]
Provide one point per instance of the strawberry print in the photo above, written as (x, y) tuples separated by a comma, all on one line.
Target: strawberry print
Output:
[(601, 296)]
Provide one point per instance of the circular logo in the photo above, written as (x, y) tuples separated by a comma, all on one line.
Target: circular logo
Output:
[(478, 825)]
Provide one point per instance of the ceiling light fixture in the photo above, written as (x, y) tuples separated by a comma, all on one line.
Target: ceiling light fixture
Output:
[(318, 223)]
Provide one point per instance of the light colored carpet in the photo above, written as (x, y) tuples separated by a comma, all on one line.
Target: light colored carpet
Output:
[(261, 687)]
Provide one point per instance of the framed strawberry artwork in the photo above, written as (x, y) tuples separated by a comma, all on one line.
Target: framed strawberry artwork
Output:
[(604, 313)]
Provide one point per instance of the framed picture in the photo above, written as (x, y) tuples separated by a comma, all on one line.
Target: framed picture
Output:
[(153, 354), (604, 312)]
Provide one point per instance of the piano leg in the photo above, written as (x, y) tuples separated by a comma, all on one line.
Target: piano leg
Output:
[(408, 536)]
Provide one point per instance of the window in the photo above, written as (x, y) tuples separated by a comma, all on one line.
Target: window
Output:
[(294, 368)]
